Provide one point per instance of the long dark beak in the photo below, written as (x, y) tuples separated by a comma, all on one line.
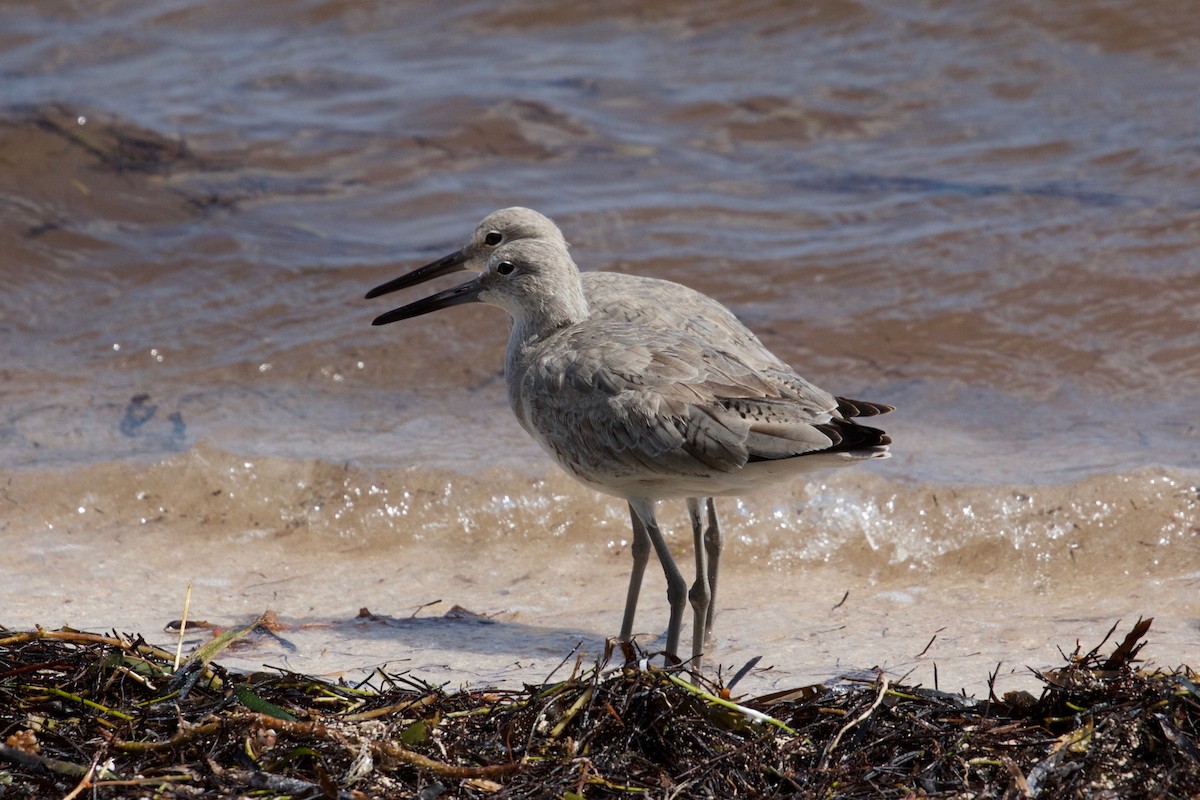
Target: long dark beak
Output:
[(463, 293), (443, 266)]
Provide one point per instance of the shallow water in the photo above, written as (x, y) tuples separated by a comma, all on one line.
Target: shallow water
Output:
[(988, 218)]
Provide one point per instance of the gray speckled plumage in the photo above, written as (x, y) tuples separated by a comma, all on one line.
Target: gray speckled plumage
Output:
[(638, 411), (645, 389)]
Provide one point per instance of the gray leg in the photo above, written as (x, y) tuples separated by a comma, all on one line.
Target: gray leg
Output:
[(714, 543), (676, 586), (641, 554), (700, 595)]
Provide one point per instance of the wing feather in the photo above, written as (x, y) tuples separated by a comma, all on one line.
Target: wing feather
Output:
[(620, 401)]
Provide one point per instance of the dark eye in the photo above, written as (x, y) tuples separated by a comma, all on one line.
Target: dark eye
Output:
[(505, 267), (494, 238)]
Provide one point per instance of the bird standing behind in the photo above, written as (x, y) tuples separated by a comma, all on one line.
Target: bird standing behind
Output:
[(646, 413)]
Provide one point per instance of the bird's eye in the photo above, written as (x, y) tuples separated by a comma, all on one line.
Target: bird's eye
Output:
[(505, 267), (494, 238)]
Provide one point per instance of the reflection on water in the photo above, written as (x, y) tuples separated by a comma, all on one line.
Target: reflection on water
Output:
[(937, 208)]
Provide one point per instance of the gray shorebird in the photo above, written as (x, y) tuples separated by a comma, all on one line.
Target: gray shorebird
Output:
[(645, 412), (649, 301)]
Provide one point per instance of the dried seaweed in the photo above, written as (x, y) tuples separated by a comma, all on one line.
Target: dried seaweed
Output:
[(107, 716)]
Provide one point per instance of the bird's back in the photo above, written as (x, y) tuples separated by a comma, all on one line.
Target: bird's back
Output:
[(667, 305)]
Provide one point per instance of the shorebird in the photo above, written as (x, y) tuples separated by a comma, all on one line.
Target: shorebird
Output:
[(649, 301), (646, 413)]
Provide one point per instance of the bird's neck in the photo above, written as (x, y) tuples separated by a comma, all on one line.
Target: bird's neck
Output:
[(531, 330), (556, 311)]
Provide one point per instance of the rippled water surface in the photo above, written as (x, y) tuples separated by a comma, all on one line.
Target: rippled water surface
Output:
[(987, 217)]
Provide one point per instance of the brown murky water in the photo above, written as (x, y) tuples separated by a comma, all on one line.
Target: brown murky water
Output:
[(988, 218)]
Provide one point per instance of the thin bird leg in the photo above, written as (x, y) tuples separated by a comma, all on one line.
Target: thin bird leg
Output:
[(700, 595), (676, 585), (714, 543), (641, 554)]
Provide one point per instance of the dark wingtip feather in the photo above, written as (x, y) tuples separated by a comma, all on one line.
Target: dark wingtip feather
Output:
[(847, 436), (861, 408)]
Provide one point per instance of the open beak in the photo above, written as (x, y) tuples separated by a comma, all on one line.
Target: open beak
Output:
[(443, 266), (463, 293)]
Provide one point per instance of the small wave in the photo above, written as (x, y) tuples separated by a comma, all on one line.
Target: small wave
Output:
[(1143, 522)]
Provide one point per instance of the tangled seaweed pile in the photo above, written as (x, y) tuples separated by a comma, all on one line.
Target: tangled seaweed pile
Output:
[(109, 716)]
